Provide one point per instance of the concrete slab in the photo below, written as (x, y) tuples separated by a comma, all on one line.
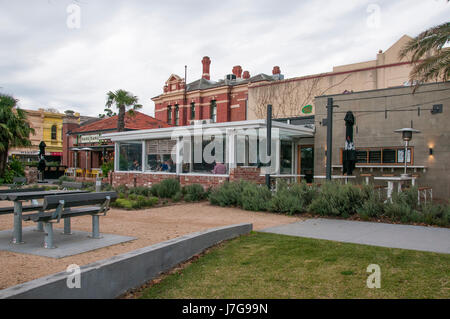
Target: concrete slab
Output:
[(421, 238), (66, 245)]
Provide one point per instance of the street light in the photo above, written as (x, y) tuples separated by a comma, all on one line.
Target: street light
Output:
[(406, 136)]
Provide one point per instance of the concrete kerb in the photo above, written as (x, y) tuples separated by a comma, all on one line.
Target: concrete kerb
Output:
[(112, 277)]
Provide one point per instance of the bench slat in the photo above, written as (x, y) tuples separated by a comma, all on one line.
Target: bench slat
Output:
[(28, 208), (73, 200), (21, 190), (43, 217)]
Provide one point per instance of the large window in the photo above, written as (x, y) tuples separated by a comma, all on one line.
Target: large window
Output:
[(130, 156), (286, 157), (160, 155), (383, 155), (192, 111), (213, 111), (54, 132), (169, 114), (209, 155), (177, 115)]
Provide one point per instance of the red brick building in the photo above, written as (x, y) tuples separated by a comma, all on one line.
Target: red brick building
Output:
[(205, 100), (83, 145)]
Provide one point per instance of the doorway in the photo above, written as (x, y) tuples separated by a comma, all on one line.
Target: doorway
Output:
[(305, 162)]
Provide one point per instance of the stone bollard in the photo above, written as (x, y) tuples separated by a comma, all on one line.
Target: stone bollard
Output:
[(98, 184)]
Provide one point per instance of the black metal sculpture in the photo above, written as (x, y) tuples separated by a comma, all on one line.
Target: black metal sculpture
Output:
[(41, 164), (349, 153)]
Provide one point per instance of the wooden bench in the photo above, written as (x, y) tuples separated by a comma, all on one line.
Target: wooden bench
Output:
[(56, 207), (72, 185)]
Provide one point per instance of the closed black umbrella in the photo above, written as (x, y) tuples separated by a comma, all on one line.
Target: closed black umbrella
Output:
[(349, 154)]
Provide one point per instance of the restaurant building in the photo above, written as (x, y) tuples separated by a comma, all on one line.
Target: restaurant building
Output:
[(86, 148)]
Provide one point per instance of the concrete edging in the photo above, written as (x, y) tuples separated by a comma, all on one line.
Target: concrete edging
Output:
[(112, 277)]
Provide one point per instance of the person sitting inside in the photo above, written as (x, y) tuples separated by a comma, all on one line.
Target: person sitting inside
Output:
[(164, 167), (136, 165), (219, 168)]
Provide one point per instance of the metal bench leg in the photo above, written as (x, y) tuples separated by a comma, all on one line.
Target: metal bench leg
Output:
[(67, 227), (40, 227), (17, 233), (96, 227), (48, 241)]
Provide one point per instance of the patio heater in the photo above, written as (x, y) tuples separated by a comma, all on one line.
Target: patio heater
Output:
[(406, 136)]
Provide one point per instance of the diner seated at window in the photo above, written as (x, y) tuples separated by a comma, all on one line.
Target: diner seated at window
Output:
[(219, 168)]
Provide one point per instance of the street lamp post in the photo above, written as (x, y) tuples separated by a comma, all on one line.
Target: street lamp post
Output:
[(406, 136)]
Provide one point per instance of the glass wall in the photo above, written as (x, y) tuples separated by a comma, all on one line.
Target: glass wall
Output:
[(205, 155), (160, 155), (130, 156), (286, 157)]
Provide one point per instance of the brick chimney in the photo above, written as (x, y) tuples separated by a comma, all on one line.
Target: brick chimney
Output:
[(237, 70), (206, 61), (276, 70), (246, 75)]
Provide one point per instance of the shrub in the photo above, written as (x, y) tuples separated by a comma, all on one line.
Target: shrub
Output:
[(123, 203), (255, 197), (140, 190), (228, 194), (338, 200), (194, 193), (14, 168), (167, 188), (293, 199), (121, 189), (107, 167), (177, 197)]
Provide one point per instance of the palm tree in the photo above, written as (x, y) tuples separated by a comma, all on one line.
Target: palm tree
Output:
[(430, 58), (14, 128), (123, 100)]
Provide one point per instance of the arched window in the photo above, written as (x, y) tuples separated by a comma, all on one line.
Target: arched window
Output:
[(192, 111), (177, 115), (54, 132)]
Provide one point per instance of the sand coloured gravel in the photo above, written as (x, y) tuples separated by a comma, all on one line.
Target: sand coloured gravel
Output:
[(150, 226)]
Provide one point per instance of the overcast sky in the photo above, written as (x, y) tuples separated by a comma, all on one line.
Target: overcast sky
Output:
[(50, 58)]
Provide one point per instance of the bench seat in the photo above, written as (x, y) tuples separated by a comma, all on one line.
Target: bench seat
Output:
[(68, 213), (28, 208)]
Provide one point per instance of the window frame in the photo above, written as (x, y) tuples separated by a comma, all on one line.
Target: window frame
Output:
[(381, 149), (54, 132), (213, 111)]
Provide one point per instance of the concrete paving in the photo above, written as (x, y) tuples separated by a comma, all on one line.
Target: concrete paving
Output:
[(422, 238), (66, 245)]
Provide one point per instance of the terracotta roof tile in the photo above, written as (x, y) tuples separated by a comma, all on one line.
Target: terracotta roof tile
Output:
[(139, 121)]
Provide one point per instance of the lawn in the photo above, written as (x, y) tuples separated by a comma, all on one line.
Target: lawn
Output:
[(262, 265)]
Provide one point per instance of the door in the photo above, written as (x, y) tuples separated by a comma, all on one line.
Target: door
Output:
[(305, 163)]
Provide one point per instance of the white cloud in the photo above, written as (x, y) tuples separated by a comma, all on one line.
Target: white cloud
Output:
[(136, 45)]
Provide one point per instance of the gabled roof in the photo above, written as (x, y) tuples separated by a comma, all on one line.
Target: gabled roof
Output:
[(139, 121), (203, 84)]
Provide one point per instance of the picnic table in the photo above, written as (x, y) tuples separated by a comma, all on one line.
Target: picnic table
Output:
[(19, 197)]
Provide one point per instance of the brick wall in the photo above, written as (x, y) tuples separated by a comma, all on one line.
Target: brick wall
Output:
[(138, 179), (247, 173), (251, 174), (205, 181)]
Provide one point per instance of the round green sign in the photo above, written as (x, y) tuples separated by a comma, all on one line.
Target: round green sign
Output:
[(307, 109)]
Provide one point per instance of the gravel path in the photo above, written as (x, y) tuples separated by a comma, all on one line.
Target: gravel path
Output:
[(150, 226)]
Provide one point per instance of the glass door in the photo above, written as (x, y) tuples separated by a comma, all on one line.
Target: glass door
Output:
[(305, 165)]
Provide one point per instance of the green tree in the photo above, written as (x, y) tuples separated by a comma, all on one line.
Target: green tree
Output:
[(430, 57), (123, 100), (14, 128), (108, 113)]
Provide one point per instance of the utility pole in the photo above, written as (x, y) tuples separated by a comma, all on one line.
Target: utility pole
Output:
[(330, 107), (269, 141)]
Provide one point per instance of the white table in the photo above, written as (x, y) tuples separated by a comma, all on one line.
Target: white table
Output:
[(336, 177), (393, 179)]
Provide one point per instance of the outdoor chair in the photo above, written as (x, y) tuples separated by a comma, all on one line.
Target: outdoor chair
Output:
[(424, 192)]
